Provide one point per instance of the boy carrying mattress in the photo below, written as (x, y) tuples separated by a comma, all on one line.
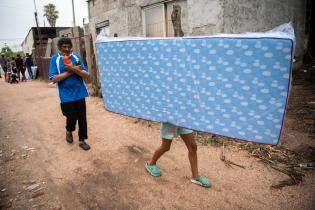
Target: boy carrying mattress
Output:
[(168, 133)]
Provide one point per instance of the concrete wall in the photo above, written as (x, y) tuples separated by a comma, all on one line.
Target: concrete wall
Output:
[(204, 17), (262, 15), (28, 43), (119, 13)]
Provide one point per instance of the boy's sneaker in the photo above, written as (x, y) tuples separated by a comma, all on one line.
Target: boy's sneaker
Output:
[(202, 181), (69, 137), (152, 169)]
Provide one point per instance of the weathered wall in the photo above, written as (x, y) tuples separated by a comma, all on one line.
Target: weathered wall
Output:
[(257, 15), (117, 21), (28, 43), (98, 7), (124, 17), (204, 17)]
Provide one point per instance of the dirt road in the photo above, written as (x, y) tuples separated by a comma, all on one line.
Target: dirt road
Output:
[(39, 170)]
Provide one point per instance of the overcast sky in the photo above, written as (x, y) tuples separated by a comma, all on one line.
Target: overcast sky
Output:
[(17, 17)]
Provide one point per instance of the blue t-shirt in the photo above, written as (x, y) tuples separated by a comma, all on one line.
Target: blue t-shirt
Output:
[(73, 87)]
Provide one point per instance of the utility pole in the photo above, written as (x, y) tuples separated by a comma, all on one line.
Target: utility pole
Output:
[(38, 30), (73, 14)]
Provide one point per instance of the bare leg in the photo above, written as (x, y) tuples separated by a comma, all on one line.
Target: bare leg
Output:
[(165, 146), (191, 145)]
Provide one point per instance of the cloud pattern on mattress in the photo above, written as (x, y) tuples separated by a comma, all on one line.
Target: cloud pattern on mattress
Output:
[(236, 87)]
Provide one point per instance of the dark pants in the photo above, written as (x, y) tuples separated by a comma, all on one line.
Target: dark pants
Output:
[(30, 73), (5, 70), (73, 111), (14, 78), (21, 71)]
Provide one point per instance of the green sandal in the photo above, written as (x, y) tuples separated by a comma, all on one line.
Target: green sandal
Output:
[(202, 181), (152, 169)]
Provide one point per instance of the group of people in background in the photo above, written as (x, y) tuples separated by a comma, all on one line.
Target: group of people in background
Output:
[(14, 68)]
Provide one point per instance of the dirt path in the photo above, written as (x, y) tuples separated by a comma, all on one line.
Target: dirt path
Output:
[(39, 170)]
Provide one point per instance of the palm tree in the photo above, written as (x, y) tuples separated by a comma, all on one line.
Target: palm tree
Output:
[(51, 14)]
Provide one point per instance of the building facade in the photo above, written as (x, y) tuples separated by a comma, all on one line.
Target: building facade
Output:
[(194, 17), (34, 39)]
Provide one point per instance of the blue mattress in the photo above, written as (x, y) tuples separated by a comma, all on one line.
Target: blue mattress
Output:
[(231, 86)]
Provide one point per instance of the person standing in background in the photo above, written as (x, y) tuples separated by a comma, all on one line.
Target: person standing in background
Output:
[(29, 64), (3, 63), (19, 66)]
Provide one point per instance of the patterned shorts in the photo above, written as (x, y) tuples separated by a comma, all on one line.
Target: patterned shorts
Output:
[(170, 131)]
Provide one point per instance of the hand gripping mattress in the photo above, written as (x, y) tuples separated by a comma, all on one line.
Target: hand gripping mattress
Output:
[(231, 85)]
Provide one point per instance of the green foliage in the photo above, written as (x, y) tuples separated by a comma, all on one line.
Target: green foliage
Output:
[(51, 14), (210, 140), (9, 53), (205, 139)]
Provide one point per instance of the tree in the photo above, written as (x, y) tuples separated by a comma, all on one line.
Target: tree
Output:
[(51, 14), (7, 52)]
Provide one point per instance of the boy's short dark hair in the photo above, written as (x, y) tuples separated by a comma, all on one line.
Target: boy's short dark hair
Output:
[(64, 40)]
